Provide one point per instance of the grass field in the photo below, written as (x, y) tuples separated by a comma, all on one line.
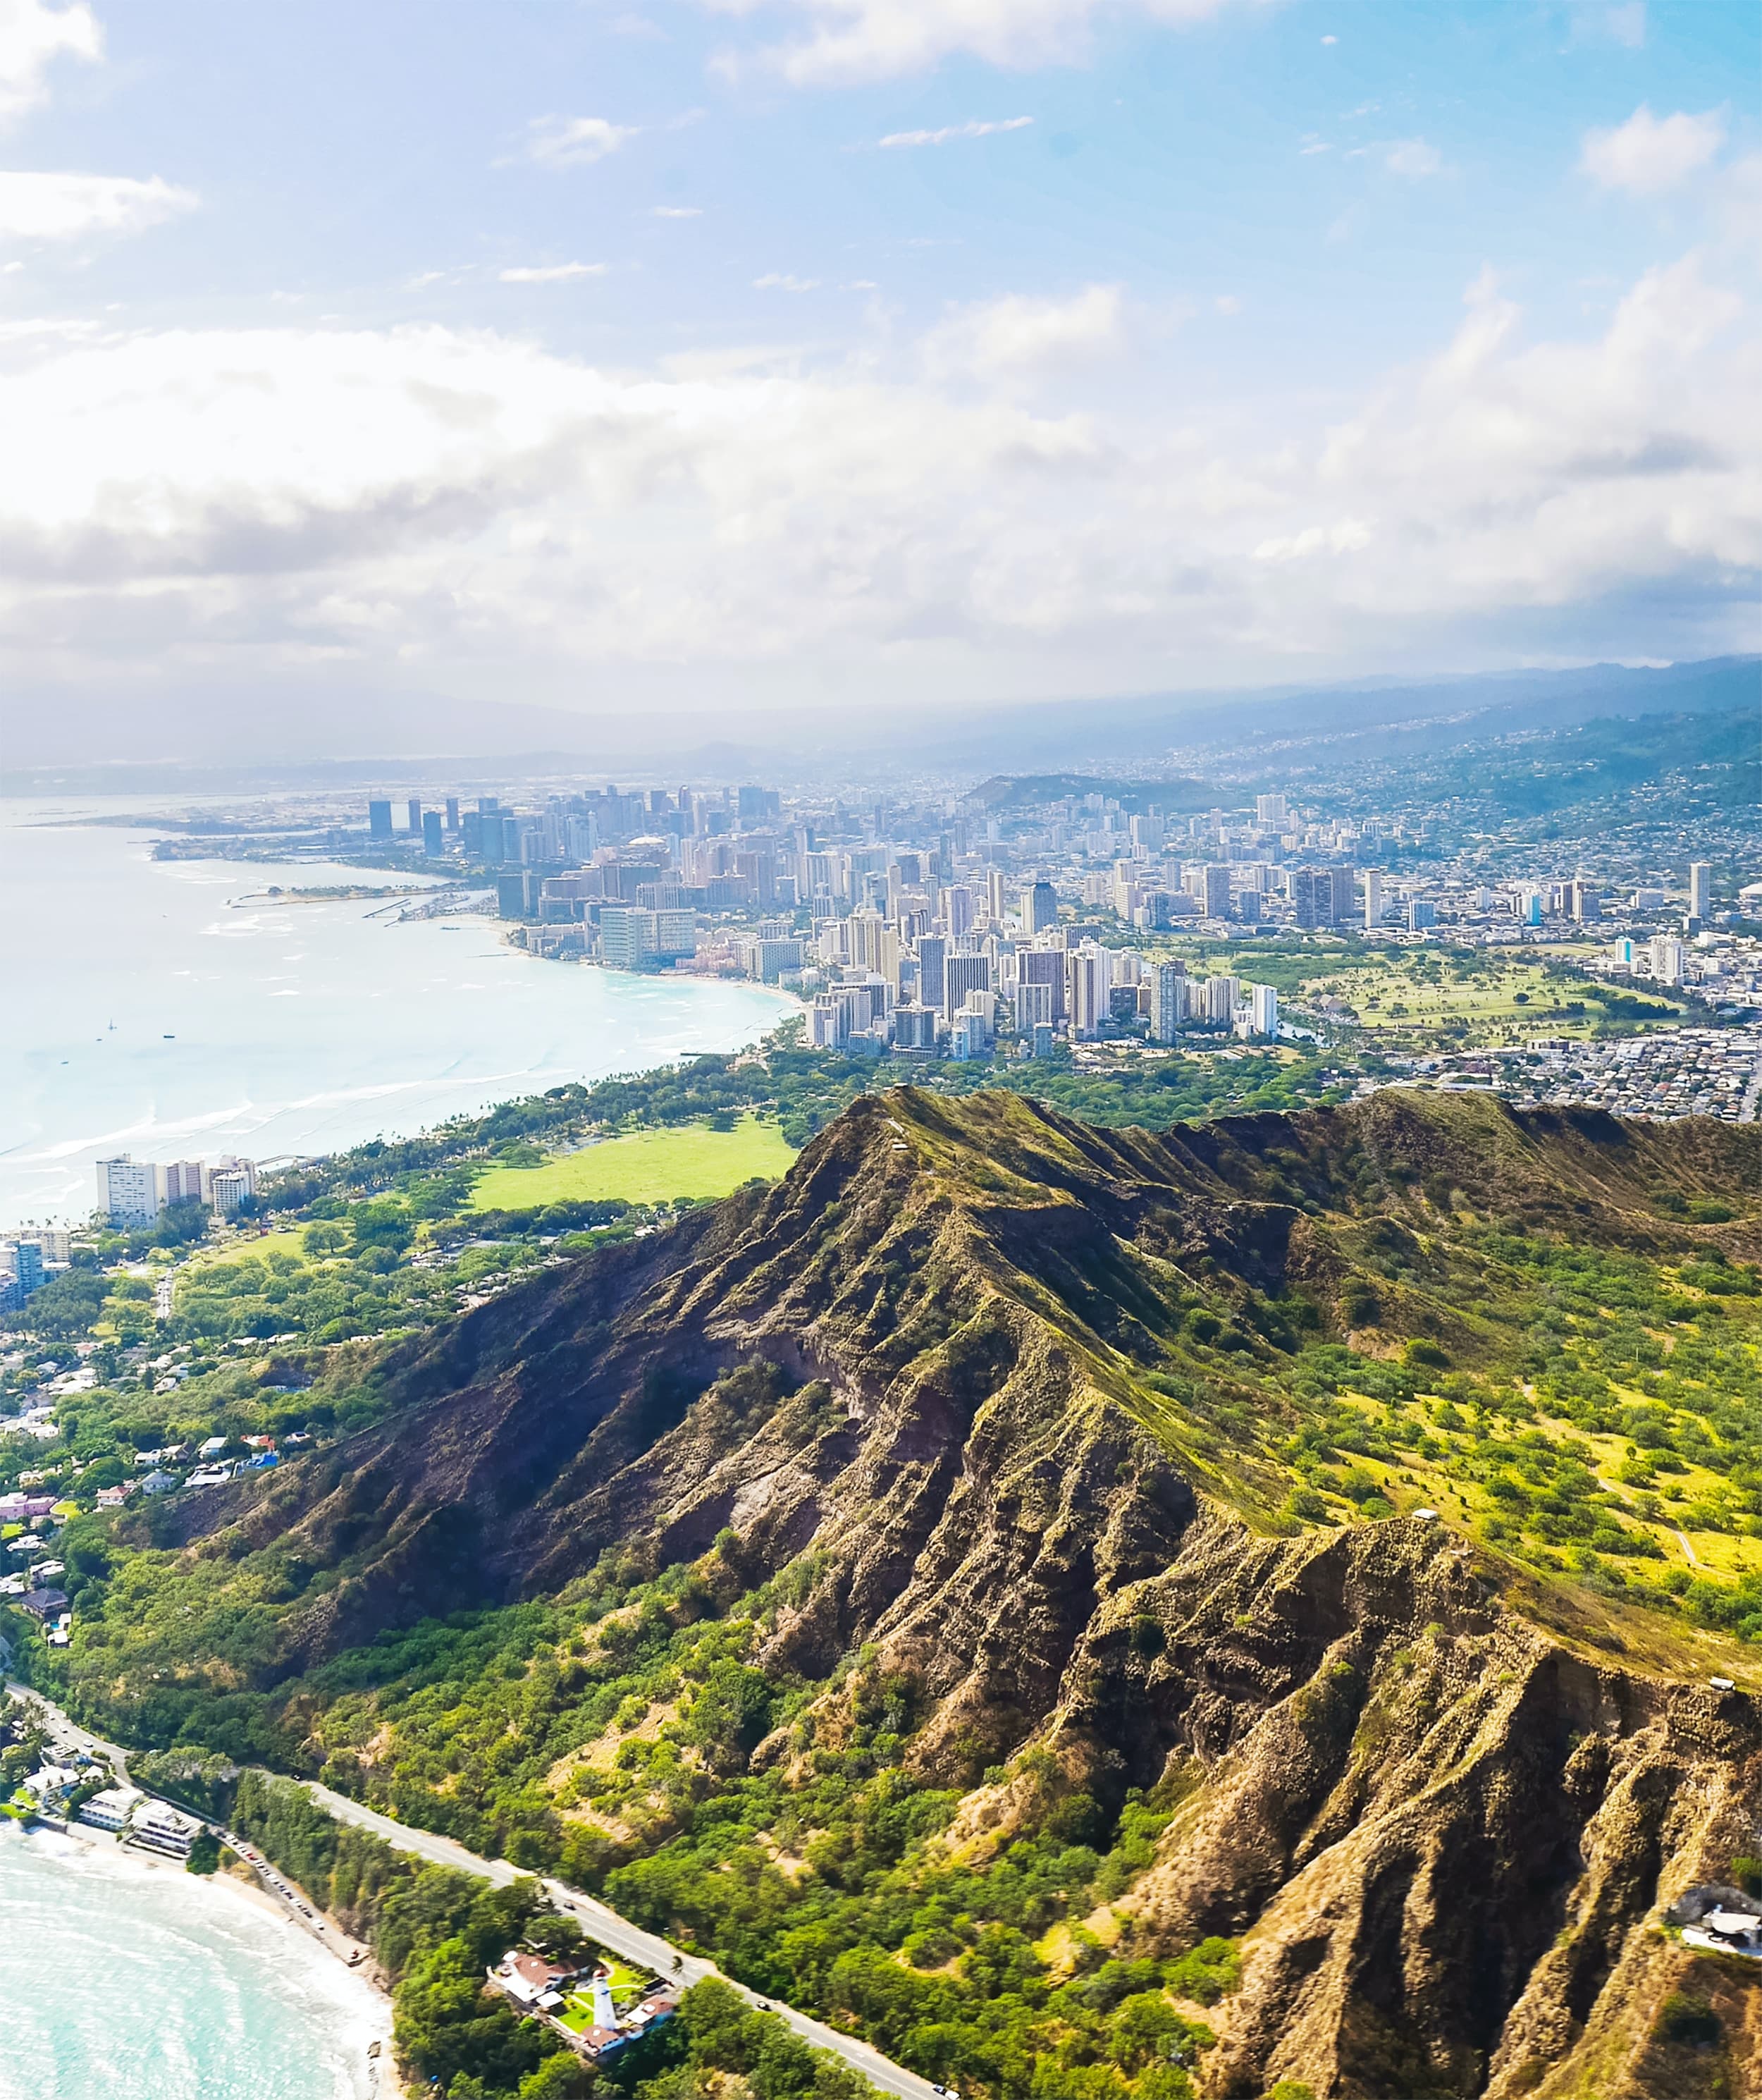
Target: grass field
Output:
[(648, 1166)]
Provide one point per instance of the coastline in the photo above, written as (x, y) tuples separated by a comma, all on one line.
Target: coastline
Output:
[(379, 2079)]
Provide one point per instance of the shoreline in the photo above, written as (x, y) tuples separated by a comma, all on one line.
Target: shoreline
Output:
[(383, 2082)]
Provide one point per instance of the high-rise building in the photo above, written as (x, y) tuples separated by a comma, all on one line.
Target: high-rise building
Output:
[(1222, 993), (915, 1027), (1700, 890), (932, 956), (1422, 915), (957, 911), (623, 937), (128, 1192), (1312, 896), (1373, 899), (230, 1185), (379, 820), (1040, 908), (1587, 903), (1263, 1002), (1034, 1004), (452, 815), (1272, 812), (413, 810), (434, 845), (1345, 886), (180, 1181), (1667, 953), (962, 974), (1044, 966), (995, 884), (25, 1260), (1168, 1000), (1089, 988), (1216, 899)]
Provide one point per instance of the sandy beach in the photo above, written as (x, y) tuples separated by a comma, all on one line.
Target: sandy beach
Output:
[(213, 1985)]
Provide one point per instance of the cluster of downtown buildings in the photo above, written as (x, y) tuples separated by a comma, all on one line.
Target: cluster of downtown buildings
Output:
[(934, 926), (927, 945)]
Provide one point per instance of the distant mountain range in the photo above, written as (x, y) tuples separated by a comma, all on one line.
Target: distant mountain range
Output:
[(326, 735)]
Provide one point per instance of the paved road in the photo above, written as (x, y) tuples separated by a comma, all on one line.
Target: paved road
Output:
[(69, 1733), (601, 1923), (630, 1940)]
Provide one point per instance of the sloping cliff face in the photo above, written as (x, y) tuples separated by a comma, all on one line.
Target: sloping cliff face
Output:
[(1443, 1834), (927, 1372)]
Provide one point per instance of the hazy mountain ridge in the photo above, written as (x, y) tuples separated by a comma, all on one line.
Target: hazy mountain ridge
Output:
[(53, 738)]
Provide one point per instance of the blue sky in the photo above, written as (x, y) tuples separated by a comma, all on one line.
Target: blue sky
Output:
[(873, 350)]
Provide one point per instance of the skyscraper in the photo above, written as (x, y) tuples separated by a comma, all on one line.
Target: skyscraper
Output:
[(1043, 966), (932, 955), (1373, 899), (1263, 1000), (1270, 813), (1088, 986), (1700, 890), (413, 809), (1312, 896), (1215, 900), (1168, 1000), (432, 842), (378, 820), (1040, 908), (962, 974)]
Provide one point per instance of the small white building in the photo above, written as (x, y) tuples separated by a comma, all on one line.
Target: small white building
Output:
[(158, 1828), (111, 1809)]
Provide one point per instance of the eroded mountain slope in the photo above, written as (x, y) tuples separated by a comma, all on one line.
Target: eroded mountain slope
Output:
[(1028, 1413)]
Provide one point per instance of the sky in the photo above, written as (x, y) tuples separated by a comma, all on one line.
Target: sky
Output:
[(693, 354)]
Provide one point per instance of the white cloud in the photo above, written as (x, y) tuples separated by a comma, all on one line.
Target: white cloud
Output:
[(1347, 536), (1649, 154), (781, 280), (1413, 158), (1015, 335), (1622, 21), (241, 500), (574, 142), (32, 38), (62, 207), (857, 40), (974, 128), (677, 211), (552, 273)]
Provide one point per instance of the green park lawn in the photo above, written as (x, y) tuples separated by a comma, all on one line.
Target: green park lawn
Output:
[(647, 1167)]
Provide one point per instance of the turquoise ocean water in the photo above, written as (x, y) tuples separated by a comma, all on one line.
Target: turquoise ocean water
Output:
[(157, 1007), (124, 1980)]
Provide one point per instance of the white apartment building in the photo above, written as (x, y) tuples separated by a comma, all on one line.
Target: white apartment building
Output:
[(128, 1192)]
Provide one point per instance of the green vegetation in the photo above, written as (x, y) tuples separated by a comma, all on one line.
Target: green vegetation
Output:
[(1377, 997), (434, 1933), (619, 1727), (697, 1161)]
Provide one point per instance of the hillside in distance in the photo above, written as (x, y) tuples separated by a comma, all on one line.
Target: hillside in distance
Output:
[(978, 1588)]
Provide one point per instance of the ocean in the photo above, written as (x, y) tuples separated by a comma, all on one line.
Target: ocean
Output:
[(134, 1981), (169, 1009)]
